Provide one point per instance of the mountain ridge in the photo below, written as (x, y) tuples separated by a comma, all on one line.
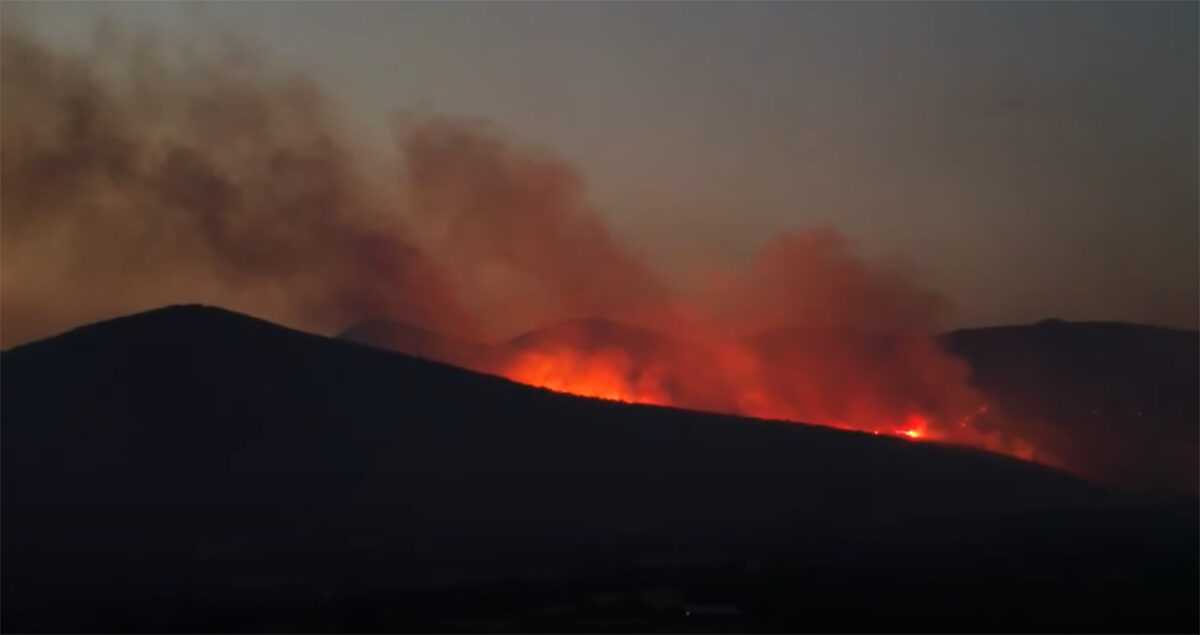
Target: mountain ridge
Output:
[(202, 454)]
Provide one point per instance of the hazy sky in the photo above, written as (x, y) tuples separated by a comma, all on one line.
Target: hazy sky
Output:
[(1030, 159)]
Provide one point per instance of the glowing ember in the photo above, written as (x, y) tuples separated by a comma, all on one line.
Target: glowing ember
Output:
[(916, 427)]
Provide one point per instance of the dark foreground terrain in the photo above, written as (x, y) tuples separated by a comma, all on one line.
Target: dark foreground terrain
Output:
[(192, 469)]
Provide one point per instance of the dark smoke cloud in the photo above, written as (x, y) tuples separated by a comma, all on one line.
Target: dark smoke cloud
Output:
[(206, 177), (162, 180)]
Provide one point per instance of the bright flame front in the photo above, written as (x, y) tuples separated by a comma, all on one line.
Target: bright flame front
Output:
[(612, 374), (603, 375)]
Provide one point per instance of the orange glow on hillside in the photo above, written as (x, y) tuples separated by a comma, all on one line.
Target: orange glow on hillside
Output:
[(603, 375), (615, 375)]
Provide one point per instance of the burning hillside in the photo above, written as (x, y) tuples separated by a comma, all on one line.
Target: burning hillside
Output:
[(269, 208), (894, 385)]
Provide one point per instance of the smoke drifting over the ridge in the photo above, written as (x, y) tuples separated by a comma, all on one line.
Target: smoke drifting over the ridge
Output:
[(515, 231), (132, 180), (165, 180), (814, 278)]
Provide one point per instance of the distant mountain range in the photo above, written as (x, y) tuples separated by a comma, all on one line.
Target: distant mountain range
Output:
[(191, 469)]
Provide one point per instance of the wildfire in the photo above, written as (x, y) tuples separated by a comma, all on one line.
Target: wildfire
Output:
[(916, 427), (604, 375), (612, 374)]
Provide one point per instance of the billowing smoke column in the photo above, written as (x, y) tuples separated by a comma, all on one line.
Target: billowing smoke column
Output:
[(131, 180), (515, 231)]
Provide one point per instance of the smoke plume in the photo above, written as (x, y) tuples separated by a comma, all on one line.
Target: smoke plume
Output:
[(510, 225), (132, 179)]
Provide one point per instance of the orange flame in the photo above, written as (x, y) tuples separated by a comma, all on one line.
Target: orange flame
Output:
[(614, 374), (603, 375)]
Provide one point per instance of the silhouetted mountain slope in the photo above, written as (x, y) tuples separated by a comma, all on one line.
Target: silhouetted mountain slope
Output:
[(1118, 402), (193, 469), (416, 341)]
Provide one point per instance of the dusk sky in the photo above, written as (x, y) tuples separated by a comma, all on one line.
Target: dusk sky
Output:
[(581, 315), (1028, 159)]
